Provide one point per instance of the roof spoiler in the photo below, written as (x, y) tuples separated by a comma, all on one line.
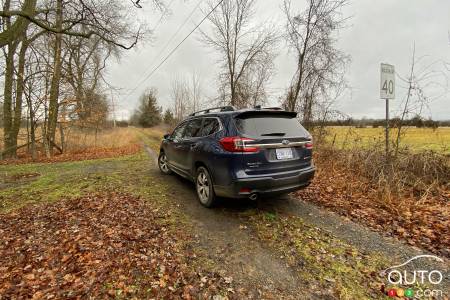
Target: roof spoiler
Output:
[(282, 113)]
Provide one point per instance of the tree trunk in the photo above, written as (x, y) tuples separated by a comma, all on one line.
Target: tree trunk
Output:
[(63, 137), (298, 84), (31, 117), (54, 86), (9, 141), (17, 120)]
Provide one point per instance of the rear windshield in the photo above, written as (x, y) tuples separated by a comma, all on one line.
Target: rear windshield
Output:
[(265, 125)]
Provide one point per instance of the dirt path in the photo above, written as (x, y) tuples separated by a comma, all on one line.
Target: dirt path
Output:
[(241, 253), (359, 236), (235, 251)]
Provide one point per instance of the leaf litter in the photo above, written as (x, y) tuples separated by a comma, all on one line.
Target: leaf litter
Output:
[(103, 245)]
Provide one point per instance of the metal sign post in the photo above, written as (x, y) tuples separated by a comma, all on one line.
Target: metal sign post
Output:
[(387, 126), (387, 91)]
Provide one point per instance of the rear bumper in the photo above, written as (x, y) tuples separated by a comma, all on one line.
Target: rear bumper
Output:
[(265, 185)]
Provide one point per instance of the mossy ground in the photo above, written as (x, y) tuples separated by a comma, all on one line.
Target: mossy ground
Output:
[(321, 260)]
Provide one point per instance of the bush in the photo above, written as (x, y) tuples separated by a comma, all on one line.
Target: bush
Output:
[(122, 123), (423, 172)]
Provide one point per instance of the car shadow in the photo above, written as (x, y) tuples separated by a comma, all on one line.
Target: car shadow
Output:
[(266, 203)]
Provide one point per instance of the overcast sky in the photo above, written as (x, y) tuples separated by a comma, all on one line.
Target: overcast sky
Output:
[(379, 31)]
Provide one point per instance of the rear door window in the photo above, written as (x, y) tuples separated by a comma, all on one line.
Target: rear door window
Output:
[(193, 129), (266, 125), (178, 132), (210, 126)]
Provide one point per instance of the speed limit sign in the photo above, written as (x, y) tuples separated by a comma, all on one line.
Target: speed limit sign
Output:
[(387, 91), (387, 87)]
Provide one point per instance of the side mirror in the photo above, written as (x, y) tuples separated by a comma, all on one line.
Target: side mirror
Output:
[(167, 136)]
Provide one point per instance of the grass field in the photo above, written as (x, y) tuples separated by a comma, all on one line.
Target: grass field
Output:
[(79, 140), (416, 139)]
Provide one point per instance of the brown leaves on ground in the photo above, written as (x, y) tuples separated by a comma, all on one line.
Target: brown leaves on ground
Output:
[(423, 222), (97, 246), (85, 154)]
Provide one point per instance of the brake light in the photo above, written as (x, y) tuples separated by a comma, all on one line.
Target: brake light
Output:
[(237, 144), (309, 145)]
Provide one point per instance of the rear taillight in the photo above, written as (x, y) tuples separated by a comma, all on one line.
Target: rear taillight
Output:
[(237, 144), (309, 145)]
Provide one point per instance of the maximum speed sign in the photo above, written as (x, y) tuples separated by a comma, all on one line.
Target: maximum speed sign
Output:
[(387, 87)]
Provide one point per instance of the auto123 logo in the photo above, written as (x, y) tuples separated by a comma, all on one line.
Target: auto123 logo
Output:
[(410, 282)]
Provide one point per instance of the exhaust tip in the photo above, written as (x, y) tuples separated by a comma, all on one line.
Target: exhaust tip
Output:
[(253, 197)]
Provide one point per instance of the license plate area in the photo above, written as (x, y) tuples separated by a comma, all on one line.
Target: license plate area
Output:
[(284, 153)]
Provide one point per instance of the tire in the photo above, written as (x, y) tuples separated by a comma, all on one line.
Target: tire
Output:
[(204, 188), (162, 164)]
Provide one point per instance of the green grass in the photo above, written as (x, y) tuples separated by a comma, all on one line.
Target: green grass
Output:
[(320, 259), (68, 179), (20, 186), (415, 139), (151, 137)]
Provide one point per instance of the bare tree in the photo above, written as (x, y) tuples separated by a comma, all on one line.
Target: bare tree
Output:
[(311, 35), (83, 68), (186, 93), (243, 49), (253, 86), (14, 29), (426, 82), (195, 92), (32, 21), (87, 12), (181, 96)]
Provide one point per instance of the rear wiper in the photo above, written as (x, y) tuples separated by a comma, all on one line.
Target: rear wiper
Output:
[(274, 134)]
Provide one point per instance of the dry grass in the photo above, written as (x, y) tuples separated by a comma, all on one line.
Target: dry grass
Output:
[(79, 140), (405, 195), (407, 198), (421, 166), (422, 173), (414, 139), (88, 144)]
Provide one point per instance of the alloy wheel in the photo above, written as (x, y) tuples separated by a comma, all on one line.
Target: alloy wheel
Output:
[(203, 187), (163, 164)]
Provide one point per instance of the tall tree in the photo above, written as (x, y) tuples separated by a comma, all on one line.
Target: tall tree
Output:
[(311, 35), (242, 47), (168, 117), (8, 108), (148, 113), (87, 12), (106, 20), (55, 83), (181, 96)]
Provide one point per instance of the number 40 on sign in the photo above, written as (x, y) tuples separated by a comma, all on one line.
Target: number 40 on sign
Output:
[(387, 90)]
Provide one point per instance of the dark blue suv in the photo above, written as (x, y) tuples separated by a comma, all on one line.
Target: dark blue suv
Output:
[(239, 153)]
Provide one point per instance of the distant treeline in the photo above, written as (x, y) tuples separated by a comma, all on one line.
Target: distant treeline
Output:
[(394, 122)]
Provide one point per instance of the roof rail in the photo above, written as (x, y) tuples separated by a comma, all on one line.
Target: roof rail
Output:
[(270, 108), (220, 109)]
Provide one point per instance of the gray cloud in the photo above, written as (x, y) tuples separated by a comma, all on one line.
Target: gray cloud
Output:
[(379, 31)]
